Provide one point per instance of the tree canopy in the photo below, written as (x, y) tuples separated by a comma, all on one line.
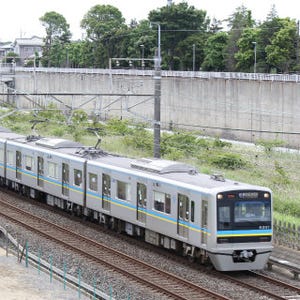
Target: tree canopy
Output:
[(189, 40), (57, 35)]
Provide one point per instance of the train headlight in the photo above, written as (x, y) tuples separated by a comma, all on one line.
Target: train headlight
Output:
[(266, 195), (220, 196)]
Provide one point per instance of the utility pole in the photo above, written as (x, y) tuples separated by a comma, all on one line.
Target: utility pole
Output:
[(297, 47), (157, 94), (194, 57), (254, 67)]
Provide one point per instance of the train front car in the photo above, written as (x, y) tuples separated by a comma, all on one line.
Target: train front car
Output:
[(243, 230)]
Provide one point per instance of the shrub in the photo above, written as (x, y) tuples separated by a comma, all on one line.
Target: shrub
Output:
[(184, 144), (117, 127), (228, 161), (79, 116), (140, 138), (268, 145), (58, 131), (280, 176), (217, 143)]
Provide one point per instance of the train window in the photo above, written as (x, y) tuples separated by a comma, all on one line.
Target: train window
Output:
[(40, 171), (93, 182), (2, 155), (106, 190), (192, 211), (28, 162), (10, 158), (204, 221), (18, 164), (224, 217), (162, 202), (142, 195), (168, 203), (245, 211), (52, 169), (77, 177), (183, 202), (123, 190), (106, 184)]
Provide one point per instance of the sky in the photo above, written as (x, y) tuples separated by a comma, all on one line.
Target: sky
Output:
[(20, 18)]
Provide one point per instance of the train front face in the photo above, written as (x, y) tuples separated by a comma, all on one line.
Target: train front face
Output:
[(244, 230)]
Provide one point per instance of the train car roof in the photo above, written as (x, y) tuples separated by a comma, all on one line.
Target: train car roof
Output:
[(3, 129), (55, 143), (171, 170), (8, 135), (40, 143)]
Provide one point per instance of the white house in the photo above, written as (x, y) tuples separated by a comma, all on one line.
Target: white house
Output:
[(27, 47)]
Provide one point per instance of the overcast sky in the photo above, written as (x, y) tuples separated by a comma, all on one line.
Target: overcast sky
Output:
[(20, 18)]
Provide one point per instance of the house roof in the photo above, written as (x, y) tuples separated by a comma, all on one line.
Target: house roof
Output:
[(33, 41), (6, 46)]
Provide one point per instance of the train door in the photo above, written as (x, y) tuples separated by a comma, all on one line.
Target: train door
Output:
[(40, 171), (65, 179), (183, 215), (141, 202), (18, 165), (204, 219), (106, 192)]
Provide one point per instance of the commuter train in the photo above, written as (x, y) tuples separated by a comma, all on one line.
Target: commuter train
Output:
[(166, 203)]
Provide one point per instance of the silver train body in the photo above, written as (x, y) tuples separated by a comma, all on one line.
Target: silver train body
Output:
[(166, 203)]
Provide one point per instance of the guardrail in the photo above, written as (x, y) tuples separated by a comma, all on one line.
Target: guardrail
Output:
[(7, 68), (287, 234), (293, 268), (59, 274), (164, 73)]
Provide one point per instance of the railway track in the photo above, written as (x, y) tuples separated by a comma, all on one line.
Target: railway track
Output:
[(161, 282), (259, 284), (273, 288)]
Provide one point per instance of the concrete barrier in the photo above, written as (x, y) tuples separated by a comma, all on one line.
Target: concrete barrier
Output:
[(230, 105)]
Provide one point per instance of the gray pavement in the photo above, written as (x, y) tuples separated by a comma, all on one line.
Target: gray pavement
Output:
[(18, 282)]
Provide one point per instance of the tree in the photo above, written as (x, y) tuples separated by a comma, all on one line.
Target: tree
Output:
[(214, 52), (103, 23), (266, 31), (281, 53), (239, 20), (56, 27), (140, 41), (11, 57), (185, 49), (57, 33), (177, 21), (245, 56)]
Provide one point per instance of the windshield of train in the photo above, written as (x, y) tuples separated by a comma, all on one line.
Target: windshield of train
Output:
[(252, 211), (243, 209)]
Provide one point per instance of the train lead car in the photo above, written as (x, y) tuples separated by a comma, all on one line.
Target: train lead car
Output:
[(167, 203)]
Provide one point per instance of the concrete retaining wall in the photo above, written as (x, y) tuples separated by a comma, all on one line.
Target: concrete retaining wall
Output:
[(231, 108)]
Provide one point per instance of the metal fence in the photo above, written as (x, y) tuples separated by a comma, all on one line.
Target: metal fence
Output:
[(164, 73), (287, 234), (7, 68)]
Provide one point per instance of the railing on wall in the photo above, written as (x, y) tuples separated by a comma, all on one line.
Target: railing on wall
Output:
[(182, 74), (287, 234), (7, 68)]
